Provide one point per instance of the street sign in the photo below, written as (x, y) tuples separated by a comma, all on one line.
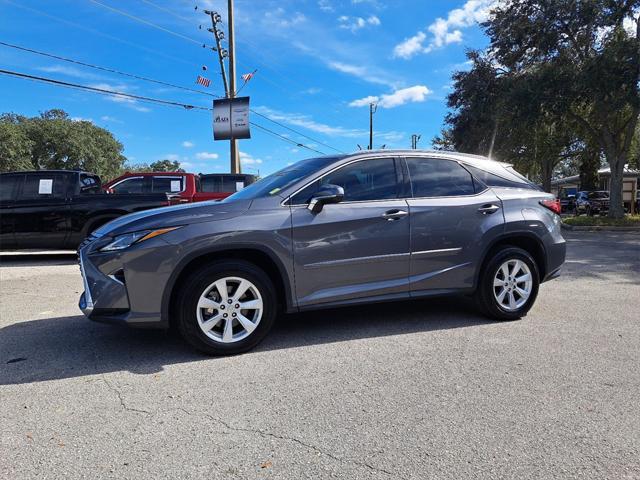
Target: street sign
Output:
[(231, 118)]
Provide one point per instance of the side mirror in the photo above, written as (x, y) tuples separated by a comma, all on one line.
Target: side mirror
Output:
[(326, 195)]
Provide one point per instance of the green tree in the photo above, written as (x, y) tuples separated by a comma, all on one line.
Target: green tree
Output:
[(591, 64), (54, 141), (15, 147), (166, 166)]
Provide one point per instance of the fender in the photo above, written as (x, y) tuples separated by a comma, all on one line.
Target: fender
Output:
[(286, 280), (505, 236)]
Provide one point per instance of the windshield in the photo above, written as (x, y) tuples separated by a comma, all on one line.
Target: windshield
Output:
[(283, 179)]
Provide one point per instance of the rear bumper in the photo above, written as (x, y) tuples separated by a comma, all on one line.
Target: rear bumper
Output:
[(556, 254)]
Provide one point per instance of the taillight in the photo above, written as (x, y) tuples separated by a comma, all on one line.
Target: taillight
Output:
[(553, 205)]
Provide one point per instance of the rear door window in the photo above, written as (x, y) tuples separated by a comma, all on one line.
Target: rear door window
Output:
[(43, 186), (439, 178), (167, 184)]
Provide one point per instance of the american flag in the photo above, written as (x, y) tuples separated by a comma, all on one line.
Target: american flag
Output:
[(205, 82), (248, 76)]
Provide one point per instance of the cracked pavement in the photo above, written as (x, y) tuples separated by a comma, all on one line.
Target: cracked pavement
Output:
[(427, 389)]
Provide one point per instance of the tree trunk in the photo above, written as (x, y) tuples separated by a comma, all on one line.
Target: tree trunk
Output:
[(547, 172), (616, 207)]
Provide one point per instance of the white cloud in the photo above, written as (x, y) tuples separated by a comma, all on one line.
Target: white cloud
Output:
[(248, 159), (280, 18), (445, 31), (81, 119), (107, 118), (325, 5), (207, 156), (188, 144), (69, 71), (304, 121), (415, 94), (128, 101), (356, 23), (363, 73), (629, 24)]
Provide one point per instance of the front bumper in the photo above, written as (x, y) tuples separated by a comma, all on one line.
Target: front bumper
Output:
[(121, 288)]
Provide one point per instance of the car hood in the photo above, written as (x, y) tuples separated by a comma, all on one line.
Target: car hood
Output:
[(173, 216)]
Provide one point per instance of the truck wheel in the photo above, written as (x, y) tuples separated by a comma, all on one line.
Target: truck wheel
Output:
[(508, 285), (226, 308)]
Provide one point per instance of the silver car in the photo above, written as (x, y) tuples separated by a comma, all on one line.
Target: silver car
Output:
[(325, 232)]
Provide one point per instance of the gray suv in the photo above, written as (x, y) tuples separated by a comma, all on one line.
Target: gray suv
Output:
[(326, 232)]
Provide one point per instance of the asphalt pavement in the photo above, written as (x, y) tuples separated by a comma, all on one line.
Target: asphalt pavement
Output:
[(413, 390)]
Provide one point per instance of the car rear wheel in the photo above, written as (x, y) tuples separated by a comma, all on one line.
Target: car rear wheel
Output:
[(226, 308), (508, 285)]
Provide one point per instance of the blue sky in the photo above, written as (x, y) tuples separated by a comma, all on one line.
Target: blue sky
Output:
[(320, 62)]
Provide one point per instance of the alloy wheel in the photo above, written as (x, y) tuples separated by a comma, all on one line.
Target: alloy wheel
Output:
[(512, 285), (229, 309)]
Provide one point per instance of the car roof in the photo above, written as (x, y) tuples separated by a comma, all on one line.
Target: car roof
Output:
[(464, 157), (20, 172)]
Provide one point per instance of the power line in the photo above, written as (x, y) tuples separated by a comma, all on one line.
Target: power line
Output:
[(104, 91), (99, 33), (106, 69), (147, 79), (146, 22)]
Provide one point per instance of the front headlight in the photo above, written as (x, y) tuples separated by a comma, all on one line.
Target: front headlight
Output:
[(127, 239)]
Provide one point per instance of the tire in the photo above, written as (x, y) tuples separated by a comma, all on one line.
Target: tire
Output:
[(486, 294), (191, 314), (589, 212)]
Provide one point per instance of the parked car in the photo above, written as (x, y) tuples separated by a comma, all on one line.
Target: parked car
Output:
[(592, 202), (181, 187), (56, 209), (221, 185), (326, 232), (567, 203)]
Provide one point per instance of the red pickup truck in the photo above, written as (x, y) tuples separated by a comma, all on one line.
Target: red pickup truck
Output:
[(180, 187)]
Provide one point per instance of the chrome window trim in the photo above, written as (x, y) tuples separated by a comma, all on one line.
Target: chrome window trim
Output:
[(125, 180), (436, 251)]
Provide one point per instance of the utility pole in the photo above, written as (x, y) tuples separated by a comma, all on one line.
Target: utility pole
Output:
[(218, 36), (372, 109), (414, 141), (235, 154), (230, 84)]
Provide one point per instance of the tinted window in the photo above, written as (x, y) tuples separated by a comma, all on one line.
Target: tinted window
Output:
[(598, 195), (493, 180), (225, 183), (89, 184), (439, 178), (9, 186), (43, 186), (362, 181), (130, 185), (166, 184)]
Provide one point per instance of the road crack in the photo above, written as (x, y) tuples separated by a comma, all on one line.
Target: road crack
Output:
[(121, 398), (308, 446)]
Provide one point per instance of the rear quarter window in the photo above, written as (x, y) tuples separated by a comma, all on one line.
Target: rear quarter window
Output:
[(439, 178), (507, 177)]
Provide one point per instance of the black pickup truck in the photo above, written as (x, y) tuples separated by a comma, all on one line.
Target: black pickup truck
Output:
[(57, 209)]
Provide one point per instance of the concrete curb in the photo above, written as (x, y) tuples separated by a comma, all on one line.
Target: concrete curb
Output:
[(598, 228)]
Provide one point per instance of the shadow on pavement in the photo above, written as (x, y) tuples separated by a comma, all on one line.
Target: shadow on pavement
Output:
[(68, 347), (29, 259)]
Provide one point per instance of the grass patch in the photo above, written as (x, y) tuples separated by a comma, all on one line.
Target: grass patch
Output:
[(586, 221)]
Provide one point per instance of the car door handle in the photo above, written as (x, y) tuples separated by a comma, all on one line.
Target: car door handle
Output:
[(394, 214), (488, 209)]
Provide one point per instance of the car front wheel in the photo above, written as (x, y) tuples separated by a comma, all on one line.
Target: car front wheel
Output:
[(226, 308), (508, 285)]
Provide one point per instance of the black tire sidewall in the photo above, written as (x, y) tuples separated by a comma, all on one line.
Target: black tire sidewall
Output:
[(484, 294), (200, 279)]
